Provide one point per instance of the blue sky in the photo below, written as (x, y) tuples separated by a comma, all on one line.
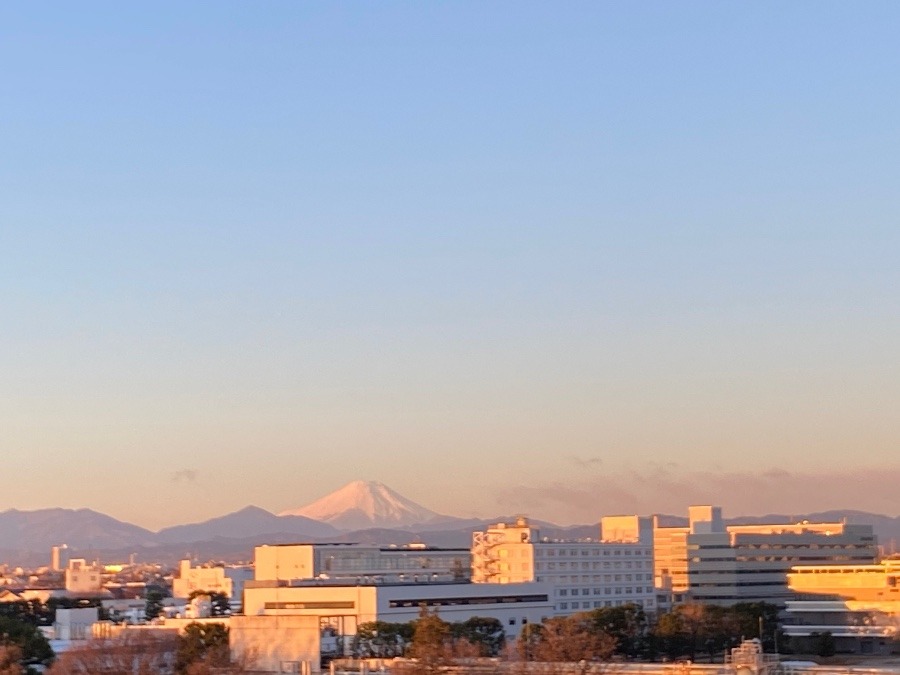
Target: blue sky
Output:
[(561, 259)]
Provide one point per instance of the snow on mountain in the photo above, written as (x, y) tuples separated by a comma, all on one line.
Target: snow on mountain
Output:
[(363, 504)]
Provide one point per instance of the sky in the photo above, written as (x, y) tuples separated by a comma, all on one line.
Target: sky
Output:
[(567, 260)]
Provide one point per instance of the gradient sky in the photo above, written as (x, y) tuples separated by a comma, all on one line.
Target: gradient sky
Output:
[(558, 259)]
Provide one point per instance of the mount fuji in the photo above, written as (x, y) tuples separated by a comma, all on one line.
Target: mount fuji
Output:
[(366, 504)]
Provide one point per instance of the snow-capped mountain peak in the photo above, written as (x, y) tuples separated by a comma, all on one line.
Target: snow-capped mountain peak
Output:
[(363, 504)]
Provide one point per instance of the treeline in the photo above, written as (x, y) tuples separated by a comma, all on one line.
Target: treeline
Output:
[(690, 630)]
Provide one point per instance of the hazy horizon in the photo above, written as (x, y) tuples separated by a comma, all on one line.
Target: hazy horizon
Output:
[(598, 258), (571, 499)]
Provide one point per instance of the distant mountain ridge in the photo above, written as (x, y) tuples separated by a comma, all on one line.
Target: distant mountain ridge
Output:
[(245, 523), (362, 511), (41, 529)]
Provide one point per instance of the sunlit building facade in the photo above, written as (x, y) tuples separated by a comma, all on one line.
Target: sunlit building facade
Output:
[(583, 575), (859, 605), (364, 564), (707, 561)]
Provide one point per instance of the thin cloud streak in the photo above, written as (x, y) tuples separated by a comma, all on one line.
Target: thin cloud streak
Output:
[(666, 489), (185, 475), (584, 462)]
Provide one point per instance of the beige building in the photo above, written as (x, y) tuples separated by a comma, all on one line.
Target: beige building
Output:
[(341, 608), (83, 578), (211, 579), (353, 562), (858, 604), (276, 643), (708, 561), (291, 620), (583, 575)]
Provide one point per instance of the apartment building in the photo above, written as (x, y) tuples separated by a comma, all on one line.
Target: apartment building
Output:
[(583, 575), (707, 561)]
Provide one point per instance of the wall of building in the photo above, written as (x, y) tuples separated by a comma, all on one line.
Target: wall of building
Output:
[(355, 562), (83, 578), (345, 607), (209, 579), (276, 644), (708, 562), (584, 575)]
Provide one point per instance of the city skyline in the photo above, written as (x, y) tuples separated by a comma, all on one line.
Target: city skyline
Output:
[(614, 259)]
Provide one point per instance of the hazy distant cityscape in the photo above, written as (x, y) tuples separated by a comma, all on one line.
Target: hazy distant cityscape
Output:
[(304, 590)]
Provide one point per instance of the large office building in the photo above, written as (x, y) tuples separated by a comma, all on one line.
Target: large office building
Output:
[(354, 563), (295, 611), (614, 569), (707, 561), (859, 605)]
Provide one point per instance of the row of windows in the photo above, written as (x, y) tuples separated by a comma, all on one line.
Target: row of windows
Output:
[(831, 546), (738, 583), (553, 552), (604, 603), (584, 578), (486, 600), (627, 590), (595, 566), (784, 558), (323, 604)]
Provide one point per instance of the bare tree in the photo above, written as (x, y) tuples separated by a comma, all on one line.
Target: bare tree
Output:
[(10, 656), (134, 652)]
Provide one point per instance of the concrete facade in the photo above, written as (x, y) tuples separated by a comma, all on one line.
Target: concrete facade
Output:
[(858, 604), (583, 575), (83, 578), (343, 608), (713, 563), (353, 562), (216, 579), (276, 643)]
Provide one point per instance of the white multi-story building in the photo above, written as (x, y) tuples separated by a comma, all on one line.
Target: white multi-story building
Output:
[(583, 575), (364, 564), (707, 561), (294, 613), (211, 579)]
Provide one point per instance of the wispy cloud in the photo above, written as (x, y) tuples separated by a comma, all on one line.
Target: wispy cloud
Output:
[(667, 488), (584, 462), (185, 475)]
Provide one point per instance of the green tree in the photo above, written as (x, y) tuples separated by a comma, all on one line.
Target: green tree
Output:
[(153, 607), (204, 644), (382, 639), (628, 624), (28, 642), (220, 604), (669, 635), (750, 617), (486, 634)]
